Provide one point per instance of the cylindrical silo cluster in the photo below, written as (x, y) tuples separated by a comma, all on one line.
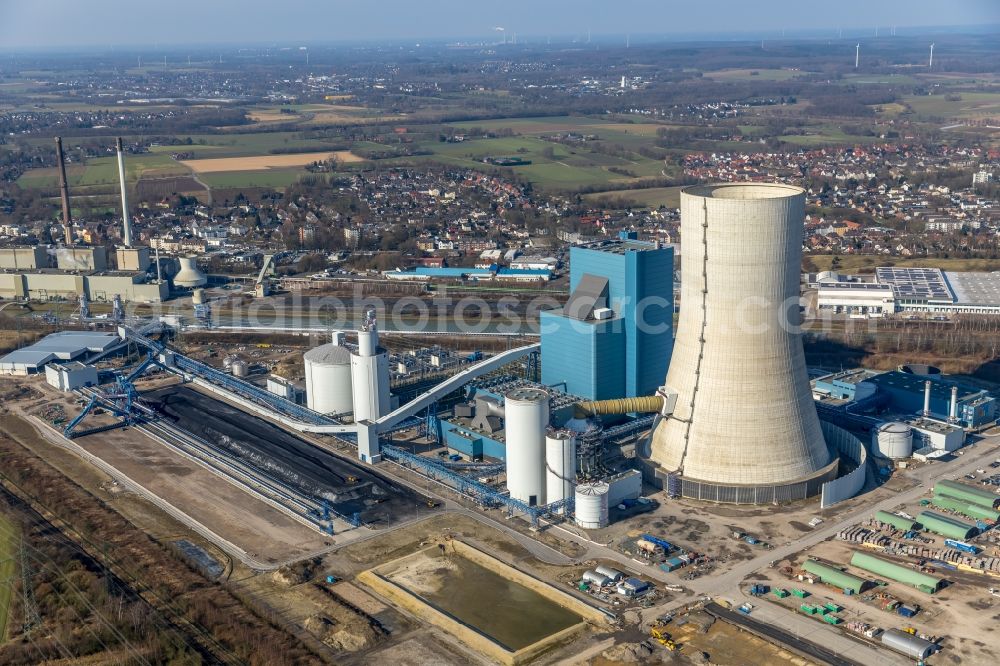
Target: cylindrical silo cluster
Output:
[(591, 505), (560, 465), (893, 440), (744, 425), (328, 379), (526, 417)]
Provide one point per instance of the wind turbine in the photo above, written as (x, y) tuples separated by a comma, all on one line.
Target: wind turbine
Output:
[(857, 56), (930, 62)]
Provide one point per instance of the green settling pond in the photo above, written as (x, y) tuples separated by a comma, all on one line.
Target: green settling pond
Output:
[(509, 613)]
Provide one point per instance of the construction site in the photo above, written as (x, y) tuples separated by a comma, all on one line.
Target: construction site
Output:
[(602, 495)]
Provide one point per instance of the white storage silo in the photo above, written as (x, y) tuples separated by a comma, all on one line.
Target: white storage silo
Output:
[(240, 368), (526, 417), (370, 373), (893, 440), (560, 465), (198, 296), (591, 501), (328, 379), (744, 417)]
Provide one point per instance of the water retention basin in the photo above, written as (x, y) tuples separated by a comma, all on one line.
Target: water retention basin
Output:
[(494, 608)]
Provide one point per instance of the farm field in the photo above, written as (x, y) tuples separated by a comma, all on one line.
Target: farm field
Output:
[(8, 552), (754, 74), (319, 114), (565, 167), (971, 105), (271, 178), (104, 171), (652, 197), (261, 162), (248, 145)]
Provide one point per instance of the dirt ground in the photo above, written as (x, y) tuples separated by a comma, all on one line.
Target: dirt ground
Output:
[(249, 523), (257, 162), (963, 613)]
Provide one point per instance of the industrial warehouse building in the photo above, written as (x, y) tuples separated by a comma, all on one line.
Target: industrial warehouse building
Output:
[(835, 577), (967, 493), (52, 285), (61, 346), (927, 290), (613, 338), (897, 572), (946, 526)]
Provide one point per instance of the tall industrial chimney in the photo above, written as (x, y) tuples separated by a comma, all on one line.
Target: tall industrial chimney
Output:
[(127, 224), (927, 398), (744, 428), (64, 193), (953, 412)]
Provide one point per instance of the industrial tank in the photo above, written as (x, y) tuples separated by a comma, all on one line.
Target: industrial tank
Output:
[(893, 440), (198, 297), (328, 379), (591, 501), (370, 374), (526, 413), (189, 276), (744, 424), (240, 368), (560, 465)]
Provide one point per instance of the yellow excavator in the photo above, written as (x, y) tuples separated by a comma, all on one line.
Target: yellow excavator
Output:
[(663, 638)]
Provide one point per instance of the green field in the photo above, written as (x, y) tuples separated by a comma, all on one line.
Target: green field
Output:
[(104, 171), (971, 105), (9, 540), (566, 167), (754, 74), (652, 197)]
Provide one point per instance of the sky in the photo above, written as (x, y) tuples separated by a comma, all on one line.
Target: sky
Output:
[(53, 23)]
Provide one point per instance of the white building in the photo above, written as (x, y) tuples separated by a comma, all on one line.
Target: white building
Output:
[(982, 177), (70, 376)]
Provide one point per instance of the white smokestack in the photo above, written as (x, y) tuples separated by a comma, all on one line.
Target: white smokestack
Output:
[(953, 413), (127, 225), (927, 398)]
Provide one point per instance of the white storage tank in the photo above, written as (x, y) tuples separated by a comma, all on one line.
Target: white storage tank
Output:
[(526, 417), (189, 276), (893, 440), (240, 368), (328, 379), (560, 465), (592, 505)]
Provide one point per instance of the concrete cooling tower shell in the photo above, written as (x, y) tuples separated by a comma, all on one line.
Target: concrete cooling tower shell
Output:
[(744, 428), (189, 275)]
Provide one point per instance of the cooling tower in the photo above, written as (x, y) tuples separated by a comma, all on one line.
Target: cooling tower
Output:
[(744, 428)]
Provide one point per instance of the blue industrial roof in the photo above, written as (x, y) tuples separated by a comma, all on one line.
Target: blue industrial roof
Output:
[(524, 271)]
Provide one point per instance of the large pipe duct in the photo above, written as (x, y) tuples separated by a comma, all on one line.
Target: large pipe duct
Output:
[(126, 223), (64, 193), (744, 414), (927, 398), (642, 404)]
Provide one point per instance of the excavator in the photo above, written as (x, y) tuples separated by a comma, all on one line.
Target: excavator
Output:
[(663, 638)]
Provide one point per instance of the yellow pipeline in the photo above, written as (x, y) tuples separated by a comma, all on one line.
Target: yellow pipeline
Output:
[(649, 403)]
